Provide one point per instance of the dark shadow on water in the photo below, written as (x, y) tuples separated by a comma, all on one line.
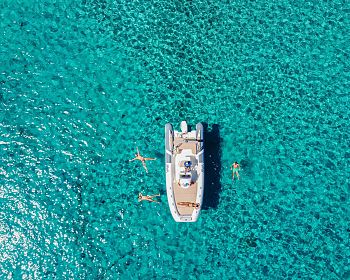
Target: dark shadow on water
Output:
[(247, 165), (212, 159)]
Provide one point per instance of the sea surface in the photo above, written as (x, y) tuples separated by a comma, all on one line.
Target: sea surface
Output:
[(83, 83)]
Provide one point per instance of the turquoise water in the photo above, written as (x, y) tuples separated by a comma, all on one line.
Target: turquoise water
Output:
[(84, 83)]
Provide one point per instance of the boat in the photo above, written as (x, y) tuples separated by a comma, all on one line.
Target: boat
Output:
[(184, 169)]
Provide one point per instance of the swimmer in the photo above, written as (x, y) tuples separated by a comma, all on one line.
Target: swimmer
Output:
[(142, 159), (148, 197), (235, 167)]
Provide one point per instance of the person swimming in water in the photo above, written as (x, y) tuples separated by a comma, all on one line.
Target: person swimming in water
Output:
[(142, 159), (148, 197), (235, 167)]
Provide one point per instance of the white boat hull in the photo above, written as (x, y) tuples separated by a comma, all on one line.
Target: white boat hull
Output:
[(184, 167)]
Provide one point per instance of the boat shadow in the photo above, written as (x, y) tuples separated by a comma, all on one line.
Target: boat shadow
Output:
[(212, 159)]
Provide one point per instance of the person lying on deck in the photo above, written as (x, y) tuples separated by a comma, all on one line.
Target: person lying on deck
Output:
[(142, 159), (189, 204)]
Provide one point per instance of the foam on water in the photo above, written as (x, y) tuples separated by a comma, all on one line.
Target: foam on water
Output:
[(83, 84)]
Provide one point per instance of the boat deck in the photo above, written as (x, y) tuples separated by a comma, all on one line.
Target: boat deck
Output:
[(181, 144), (185, 194)]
